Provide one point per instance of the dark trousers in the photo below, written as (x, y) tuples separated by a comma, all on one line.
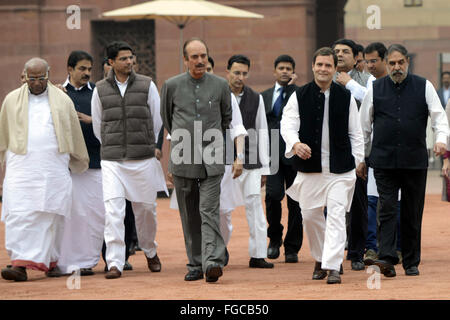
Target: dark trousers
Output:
[(358, 222), (130, 232), (412, 183), (372, 225), (275, 191)]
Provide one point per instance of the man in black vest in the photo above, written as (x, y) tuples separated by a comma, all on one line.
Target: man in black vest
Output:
[(321, 128), (255, 157), (126, 120), (275, 99), (83, 232), (396, 108)]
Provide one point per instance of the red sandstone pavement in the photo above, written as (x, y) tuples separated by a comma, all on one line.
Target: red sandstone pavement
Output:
[(239, 282)]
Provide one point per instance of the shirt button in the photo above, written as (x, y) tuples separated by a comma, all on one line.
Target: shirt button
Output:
[(198, 101), (198, 87)]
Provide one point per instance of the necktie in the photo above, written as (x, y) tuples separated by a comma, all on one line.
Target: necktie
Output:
[(279, 102)]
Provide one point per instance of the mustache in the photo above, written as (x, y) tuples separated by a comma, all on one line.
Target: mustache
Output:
[(200, 65), (86, 77)]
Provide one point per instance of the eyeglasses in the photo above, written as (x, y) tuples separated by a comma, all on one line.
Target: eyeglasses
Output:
[(32, 79), (371, 61)]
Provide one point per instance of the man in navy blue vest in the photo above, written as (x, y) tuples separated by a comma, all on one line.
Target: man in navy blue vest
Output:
[(275, 99), (255, 157), (396, 108), (321, 128), (83, 232)]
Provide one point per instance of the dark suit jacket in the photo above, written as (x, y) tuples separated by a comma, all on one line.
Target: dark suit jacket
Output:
[(440, 93), (273, 122)]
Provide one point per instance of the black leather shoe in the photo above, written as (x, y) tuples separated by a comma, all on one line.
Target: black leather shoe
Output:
[(333, 277), (127, 266), (213, 273), (259, 263), (14, 273), (358, 265), (319, 273), (291, 258), (54, 273), (412, 271), (386, 268), (193, 275), (273, 251), (86, 272)]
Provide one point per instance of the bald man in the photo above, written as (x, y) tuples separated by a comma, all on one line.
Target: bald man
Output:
[(40, 139)]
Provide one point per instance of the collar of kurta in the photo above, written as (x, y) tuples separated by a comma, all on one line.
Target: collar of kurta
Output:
[(14, 125)]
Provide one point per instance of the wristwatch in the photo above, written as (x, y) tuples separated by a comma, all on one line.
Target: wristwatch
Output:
[(240, 156)]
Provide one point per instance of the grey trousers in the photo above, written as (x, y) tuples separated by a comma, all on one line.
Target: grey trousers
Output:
[(198, 201)]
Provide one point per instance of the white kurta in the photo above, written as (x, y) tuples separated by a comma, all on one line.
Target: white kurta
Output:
[(315, 190), (37, 192), (312, 189), (83, 233), (135, 180), (40, 179)]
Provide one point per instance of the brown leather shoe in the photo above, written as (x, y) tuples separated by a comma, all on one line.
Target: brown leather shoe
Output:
[(14, 273), (113, 273), (333, 277), (154, 264), (319, 273)]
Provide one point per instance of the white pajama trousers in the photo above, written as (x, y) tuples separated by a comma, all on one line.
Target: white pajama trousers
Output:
[(226, 228), (249, 184), (146, 224), (326, 237)]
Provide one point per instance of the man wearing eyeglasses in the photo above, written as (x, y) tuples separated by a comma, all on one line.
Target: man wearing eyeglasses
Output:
[(255, 157), (40, 139), (396, 110)]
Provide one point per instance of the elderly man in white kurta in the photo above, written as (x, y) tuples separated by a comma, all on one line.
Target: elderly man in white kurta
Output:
[(126, 120), (321, 127), (40, 139)]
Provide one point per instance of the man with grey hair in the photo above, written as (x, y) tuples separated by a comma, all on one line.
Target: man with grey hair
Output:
[(396, 109), (193, 103), (40, 139)]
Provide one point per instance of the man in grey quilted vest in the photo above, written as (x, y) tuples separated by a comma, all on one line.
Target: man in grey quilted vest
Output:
[(125, 118)]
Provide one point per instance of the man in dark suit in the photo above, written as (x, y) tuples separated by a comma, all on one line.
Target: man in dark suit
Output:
[(275, 99), (444, 91)]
